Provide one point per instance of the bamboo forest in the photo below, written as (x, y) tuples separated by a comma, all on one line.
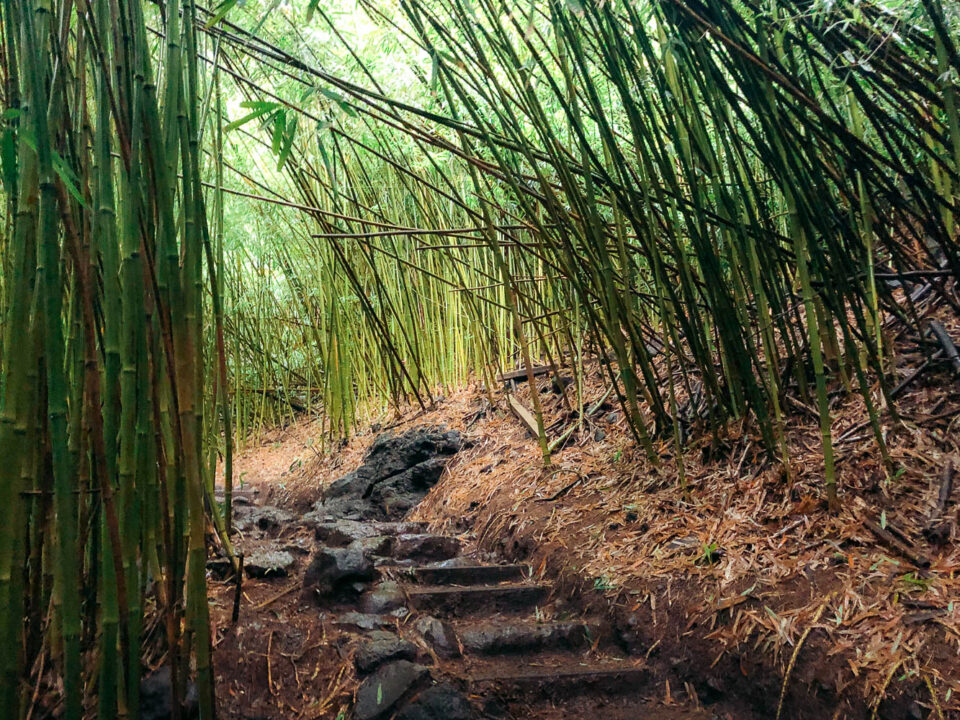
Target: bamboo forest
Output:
[(467, 359)]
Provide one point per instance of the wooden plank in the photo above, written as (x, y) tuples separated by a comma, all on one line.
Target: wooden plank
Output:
[(521, 374), (524, 415)]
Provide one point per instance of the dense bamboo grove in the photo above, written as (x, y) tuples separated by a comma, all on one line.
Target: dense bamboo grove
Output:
[(213, 222), (103, 476), (680, 181)]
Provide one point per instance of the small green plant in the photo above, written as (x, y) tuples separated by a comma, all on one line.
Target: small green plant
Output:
[(603, 583), (913, 581), (710, 554)]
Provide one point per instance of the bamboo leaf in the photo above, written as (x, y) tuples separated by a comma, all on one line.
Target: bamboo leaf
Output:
[(287, 146), (259, 109), (220, 12)]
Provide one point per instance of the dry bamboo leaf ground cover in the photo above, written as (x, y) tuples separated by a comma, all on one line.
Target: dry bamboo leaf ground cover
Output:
[(748, 575)]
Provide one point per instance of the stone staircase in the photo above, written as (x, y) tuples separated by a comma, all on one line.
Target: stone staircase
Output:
[(495, 636), (442, 631)]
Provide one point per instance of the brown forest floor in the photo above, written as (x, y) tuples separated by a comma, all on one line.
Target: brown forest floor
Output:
[(746, 583)]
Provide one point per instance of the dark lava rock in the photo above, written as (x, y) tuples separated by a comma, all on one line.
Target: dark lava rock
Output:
[(298, 546), (336, 569), (454, 562), (383, 598), (156, 700), (363, 621), (382, 691), (390, 454), (409, 484), (382, 647), (630, 635), (378, 546), (900, 708), (425, 547), (266, 518), (339, 533), (500, 637), (397, 472), (441, 702), (264, 563), (219, 567), (439, 635)]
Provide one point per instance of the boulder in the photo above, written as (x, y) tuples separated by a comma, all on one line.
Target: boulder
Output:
[(334, 569), (264, 562), (339, 533), (265, 518), (440, 702), (397, 472), (383, 598), (382, 647), (419, 477), (219, 567), (391, 454), (381, 692), (378, 546), (354, 483), (298, 546), (439, 635)]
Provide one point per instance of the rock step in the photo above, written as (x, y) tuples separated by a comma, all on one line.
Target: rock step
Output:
[(490, 637), (457, 601), (338, 533), (469, 574), (567, 680)]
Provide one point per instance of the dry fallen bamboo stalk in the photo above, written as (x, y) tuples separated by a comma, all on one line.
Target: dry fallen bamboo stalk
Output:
[(524, 415), (937, 529), (897, 545)]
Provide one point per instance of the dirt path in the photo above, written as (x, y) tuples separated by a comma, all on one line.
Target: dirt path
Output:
[(439, 624), (348, 612)]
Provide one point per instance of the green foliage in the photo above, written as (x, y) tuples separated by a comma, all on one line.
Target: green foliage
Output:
[(703, 193)]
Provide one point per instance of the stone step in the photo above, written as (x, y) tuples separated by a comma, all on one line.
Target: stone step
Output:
[(609, 707), (468, 574), (493, 637), (562, 680), (453, 601), (339, 533)]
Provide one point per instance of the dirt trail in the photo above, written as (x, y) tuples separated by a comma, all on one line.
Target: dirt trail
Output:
[(483, 630), (349, 612)]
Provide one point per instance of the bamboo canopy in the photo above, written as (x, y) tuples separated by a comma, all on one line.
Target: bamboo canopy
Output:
[(213, 221)]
